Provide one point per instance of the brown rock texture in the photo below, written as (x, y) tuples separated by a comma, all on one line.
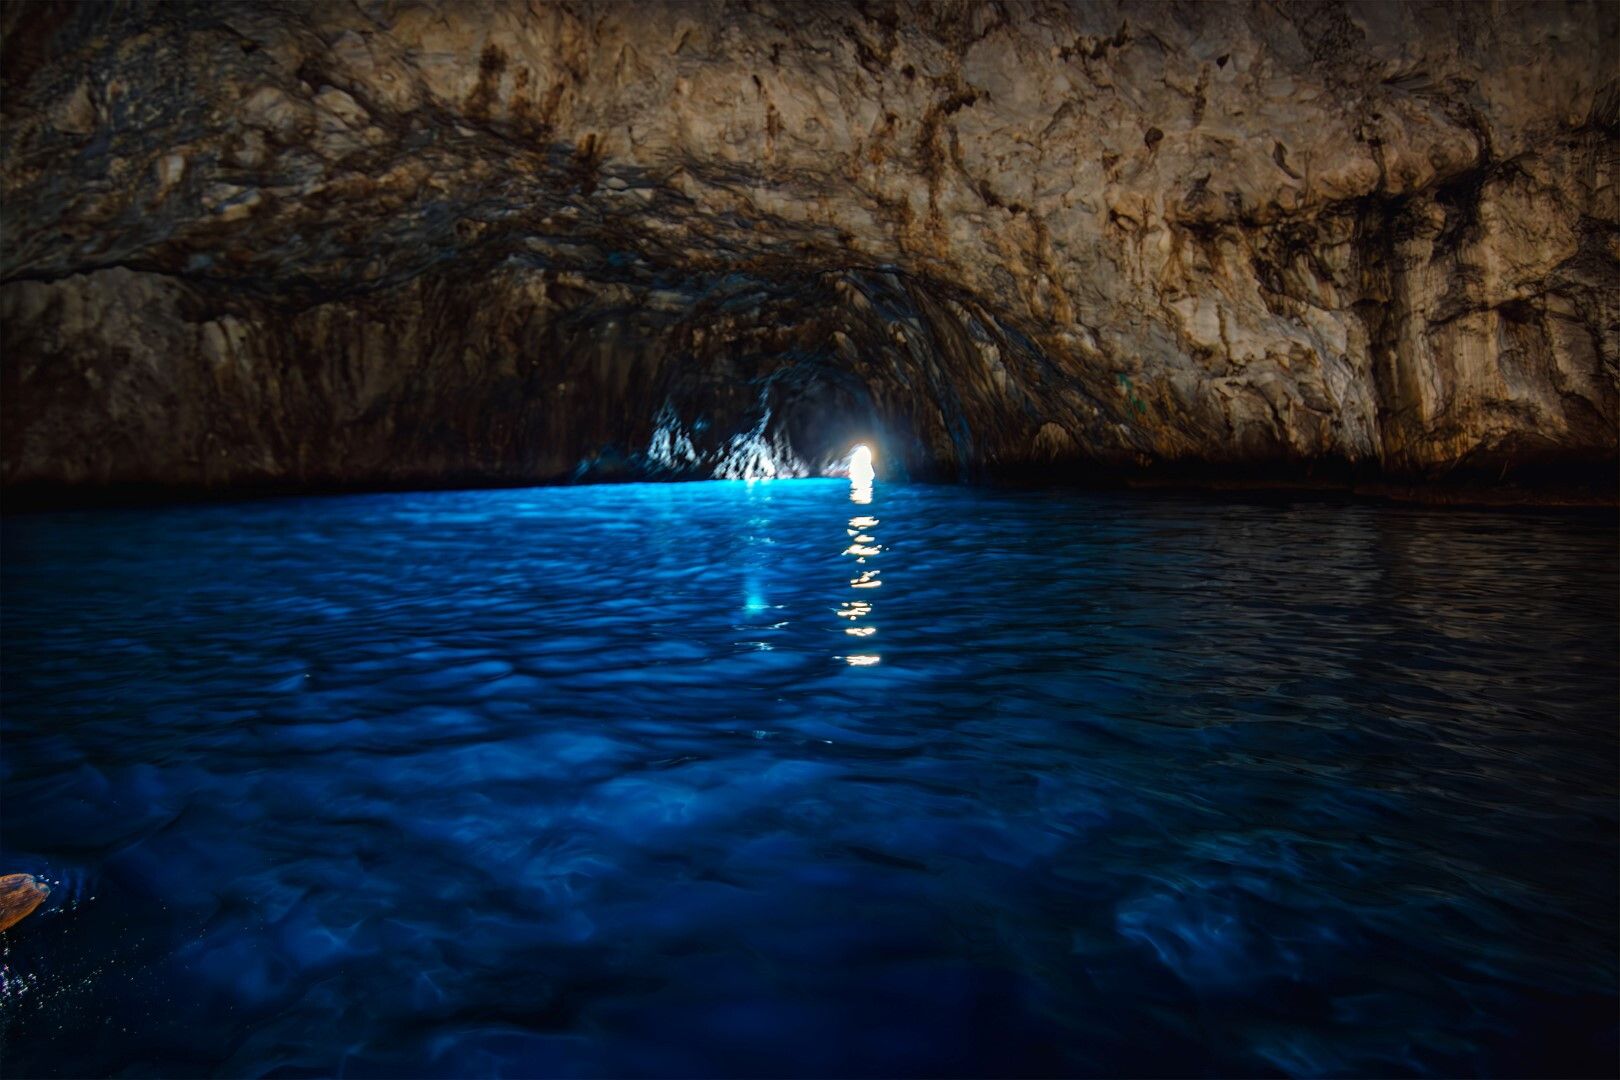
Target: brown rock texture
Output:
[(272, 245), (20, 894)]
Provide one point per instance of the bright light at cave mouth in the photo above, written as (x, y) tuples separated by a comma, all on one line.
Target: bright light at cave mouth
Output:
[(860, 465)]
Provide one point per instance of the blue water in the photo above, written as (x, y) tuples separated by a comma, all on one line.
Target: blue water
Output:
[(596, 781)]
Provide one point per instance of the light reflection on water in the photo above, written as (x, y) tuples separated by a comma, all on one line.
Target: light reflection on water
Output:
[(589, 781), (863, 547)]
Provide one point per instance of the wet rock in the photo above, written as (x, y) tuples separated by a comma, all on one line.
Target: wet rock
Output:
[(20, 894), (372, 244)]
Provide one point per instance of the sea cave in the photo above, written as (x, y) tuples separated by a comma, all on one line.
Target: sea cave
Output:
[(842, 538)]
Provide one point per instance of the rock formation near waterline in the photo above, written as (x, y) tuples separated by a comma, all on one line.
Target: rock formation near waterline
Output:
[(20, 894), (257, 244)]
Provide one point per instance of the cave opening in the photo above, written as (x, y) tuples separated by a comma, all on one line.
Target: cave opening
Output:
[(859, 467), (782, 376), (824, 413), (528, 726)]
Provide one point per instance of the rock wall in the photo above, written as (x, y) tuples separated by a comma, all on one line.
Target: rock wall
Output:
[(364, 244)]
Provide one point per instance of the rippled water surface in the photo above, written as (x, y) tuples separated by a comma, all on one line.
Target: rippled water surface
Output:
[(753, 779)]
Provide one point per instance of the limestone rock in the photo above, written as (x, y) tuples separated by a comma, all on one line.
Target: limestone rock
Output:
[(449, 242)]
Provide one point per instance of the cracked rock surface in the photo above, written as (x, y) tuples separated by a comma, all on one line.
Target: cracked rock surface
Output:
[(274, 245)]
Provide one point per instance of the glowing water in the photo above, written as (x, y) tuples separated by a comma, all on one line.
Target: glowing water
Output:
[(646, 780)]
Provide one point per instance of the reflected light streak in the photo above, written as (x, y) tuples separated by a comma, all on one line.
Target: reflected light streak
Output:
[(862, 547)]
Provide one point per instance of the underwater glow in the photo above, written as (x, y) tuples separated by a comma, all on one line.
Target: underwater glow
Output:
[(596, 781)]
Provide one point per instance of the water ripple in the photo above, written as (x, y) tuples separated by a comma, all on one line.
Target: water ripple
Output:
[(599, 781)]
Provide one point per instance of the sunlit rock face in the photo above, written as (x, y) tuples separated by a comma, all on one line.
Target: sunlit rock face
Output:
[(380, 243)]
